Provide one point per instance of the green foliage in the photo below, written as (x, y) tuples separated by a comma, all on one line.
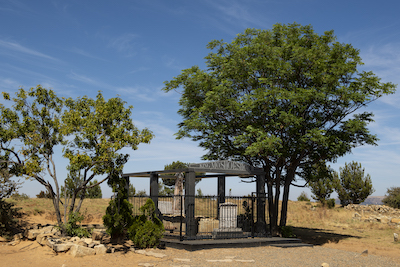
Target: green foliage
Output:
[(392, 197), (146, 230), (286, 231), (279, 99), (17, 196), (141, 193), (330, 203), (303, 197), (118, 217), (39, 121), (72, 228), (353, 187), (131, 190), (321, 182), (170, 182), (8, 218), (199, 193), (43, 194), (164, 190)]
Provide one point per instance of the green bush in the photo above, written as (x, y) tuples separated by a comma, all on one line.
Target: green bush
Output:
[(330, 203), (8, 218), (146, 230), (72, 228), (303, 197), (18, 196), (118, 217), (286, 231), (43, 194), (392, 199)]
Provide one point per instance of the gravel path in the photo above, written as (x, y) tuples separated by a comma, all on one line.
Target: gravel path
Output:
[(270, 256)]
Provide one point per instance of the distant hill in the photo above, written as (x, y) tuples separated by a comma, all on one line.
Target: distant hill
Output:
[(371, 200)]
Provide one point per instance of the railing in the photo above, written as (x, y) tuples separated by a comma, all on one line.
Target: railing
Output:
[(214, 217)]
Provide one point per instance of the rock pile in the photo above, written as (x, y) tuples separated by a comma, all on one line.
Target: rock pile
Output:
[(50, 236), (375, 213)]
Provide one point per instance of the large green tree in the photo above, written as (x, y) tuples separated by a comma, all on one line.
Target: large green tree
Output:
[(91, 133), (279, 99), (352, 185)]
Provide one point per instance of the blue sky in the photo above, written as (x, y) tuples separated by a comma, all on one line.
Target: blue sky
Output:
[(129, 48)]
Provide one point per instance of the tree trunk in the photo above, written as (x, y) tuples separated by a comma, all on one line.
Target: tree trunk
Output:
[(56, 204), (284, 204)]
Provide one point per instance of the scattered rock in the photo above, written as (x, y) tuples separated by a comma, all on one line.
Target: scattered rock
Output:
[(248, 261), (324, 264), (364, 253), (395, 220), (100, 249), (150, 253), (63, 247), (224, 260), (42, 239), (396, 237), (182, 260), (98, 234), (146, 264), (81, 251)]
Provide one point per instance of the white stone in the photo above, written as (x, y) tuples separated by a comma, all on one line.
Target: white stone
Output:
[(395, 237), (227, 215), (182, 260), (100, 249), (81, 251), (63, 247)]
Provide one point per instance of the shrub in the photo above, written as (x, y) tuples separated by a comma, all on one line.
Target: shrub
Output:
[(8, 218), (286, 231), (72, 228), (303, 197), (392, 199), (118, 217), (331, 203), (43, 194), (146, 230), (18, 196), (353, 187)]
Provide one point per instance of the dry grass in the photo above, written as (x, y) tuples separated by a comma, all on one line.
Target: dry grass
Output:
[(320, 226), (311, 223)]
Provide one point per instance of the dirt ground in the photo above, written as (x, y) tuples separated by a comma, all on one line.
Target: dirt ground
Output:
[(30, 253)]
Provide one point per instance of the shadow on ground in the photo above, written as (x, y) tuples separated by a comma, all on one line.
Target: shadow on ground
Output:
[(318, 236)]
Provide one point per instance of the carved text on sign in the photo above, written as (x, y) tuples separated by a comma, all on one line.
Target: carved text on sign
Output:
[(222, 165)]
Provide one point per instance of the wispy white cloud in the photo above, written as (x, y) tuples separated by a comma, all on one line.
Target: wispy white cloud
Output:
[(142, 93), (15, 47), (125, 44), (237, 13), (87, 80), (85, 53)]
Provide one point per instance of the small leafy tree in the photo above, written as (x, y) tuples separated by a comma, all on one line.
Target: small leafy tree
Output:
[(303, 197), (170, 182), (392, 197), (147, 229), (353, 186), (39, 121), (321, 182)]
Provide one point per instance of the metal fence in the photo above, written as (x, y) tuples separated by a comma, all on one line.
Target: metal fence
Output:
[(215, 217)]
